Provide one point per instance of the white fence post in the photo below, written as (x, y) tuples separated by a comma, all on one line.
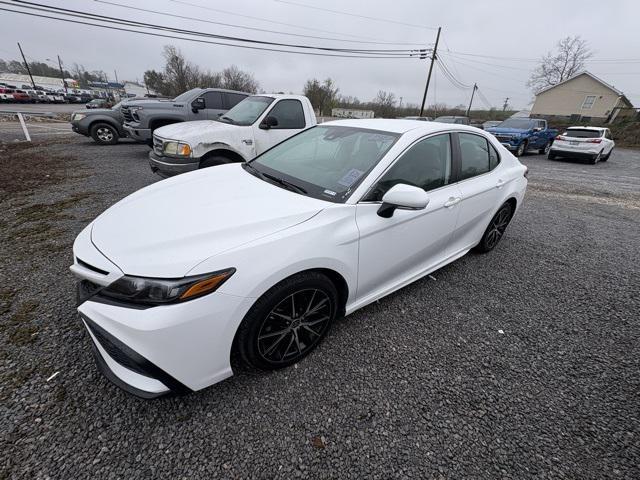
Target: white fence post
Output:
[(24, 127)]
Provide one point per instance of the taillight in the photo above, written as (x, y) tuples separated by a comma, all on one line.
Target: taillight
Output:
[(594, 140), (560, 137)]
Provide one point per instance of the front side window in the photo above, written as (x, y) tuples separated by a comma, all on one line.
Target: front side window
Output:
[(247, 111), (426, 164), (328, 162), (589, 100), (213, 100), (289, 114), (474, 155)]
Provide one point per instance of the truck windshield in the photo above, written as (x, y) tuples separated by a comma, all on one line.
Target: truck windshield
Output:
[(326, 162), (519, 123), (183, 97), (247, 111)]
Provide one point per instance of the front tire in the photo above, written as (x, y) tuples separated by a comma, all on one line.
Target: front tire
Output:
[(214, 160), (494, 232), (104, 134), (287, 322)]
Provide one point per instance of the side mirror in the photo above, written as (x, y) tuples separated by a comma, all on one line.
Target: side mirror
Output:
[(403, 196), (197, 104), (268, 122)]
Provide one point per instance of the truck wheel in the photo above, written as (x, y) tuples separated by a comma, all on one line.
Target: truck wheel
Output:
[(606, 157), (597, 158), (214, 160), (521, 149), (551, 156), (544, 150), (104, 134)]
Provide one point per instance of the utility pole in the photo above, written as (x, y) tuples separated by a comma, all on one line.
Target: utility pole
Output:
[(64, 82), (433, 58), (505, 104), (475, 87), (27, 65)]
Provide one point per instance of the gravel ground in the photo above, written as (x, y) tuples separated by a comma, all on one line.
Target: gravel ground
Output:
[(523, 363)]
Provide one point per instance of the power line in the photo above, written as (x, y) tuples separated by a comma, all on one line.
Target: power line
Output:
[(349, 14), (173, 15), (133, 23), (108, 27), (275, 22)]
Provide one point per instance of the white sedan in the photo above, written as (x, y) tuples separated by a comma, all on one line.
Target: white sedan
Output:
[(584, 143), (261, 257)]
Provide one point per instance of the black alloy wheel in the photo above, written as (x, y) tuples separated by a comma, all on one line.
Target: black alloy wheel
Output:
[(496, 229), (287, 322)]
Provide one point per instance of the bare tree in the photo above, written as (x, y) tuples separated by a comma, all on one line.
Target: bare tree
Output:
[(235, 79), (323, 96), (569, 59), (385, 104)]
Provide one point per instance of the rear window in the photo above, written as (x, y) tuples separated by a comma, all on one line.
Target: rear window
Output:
[(582, 133)]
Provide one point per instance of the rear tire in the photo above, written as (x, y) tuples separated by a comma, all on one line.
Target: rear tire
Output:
[(597, 158), (606, 157), (551, 156), (104, 134), (287, 322), (495, 231), (545, 150)]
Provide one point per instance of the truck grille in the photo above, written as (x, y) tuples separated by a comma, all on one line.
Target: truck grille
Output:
[(503, 138), (157, 146), (126, 113)]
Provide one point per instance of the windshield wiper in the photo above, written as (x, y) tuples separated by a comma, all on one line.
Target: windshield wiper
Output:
[(231, 120), (288, 185), (280, 181)]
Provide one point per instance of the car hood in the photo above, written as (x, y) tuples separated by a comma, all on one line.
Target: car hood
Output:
[(95, 111), (166, 229), (508, 130), (197, 131)]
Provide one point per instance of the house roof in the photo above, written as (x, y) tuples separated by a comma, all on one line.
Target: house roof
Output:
[(584, 72)]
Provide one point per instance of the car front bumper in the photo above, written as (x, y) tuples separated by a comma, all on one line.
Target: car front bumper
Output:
[(153, 351), (170, 166), (142, 135)]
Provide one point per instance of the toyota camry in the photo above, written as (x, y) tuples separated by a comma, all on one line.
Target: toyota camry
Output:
[(258, 259)]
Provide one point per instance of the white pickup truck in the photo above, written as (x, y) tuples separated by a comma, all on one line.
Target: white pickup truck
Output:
[(253, 126)]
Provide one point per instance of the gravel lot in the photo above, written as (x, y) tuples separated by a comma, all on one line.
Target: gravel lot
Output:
[(523, 363)]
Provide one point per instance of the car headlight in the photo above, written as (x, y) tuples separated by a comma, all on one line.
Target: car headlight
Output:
[(160, 291), (177, 148), (78, 116)]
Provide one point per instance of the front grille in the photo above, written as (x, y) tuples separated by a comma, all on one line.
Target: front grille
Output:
[(126, 113), (157, 146), (503, 138)]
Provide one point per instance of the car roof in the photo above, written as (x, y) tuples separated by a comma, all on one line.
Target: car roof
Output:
[(398, 125), (279, 95)]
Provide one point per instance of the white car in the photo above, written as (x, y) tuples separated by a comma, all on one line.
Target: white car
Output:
[(585, 143), (260, 257)]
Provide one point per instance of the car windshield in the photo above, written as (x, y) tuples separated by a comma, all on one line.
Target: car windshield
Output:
[(183, 97), (582, 133), (247, 111), (519, 123), (326, 162)]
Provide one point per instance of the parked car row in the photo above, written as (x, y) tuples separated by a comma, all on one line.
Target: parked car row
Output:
[(10, 94)]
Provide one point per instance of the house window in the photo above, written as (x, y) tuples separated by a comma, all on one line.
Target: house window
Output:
[(589, 100)]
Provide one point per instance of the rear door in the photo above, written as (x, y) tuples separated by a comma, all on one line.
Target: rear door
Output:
[(289, 114), (481, 183)]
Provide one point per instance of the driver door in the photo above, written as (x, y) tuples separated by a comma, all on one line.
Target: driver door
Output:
[(396, 250), (214, 106), (290, 117)]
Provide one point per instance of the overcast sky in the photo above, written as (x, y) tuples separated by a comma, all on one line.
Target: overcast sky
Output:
[(515, 32)]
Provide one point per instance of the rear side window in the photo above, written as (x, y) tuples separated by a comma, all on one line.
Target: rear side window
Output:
[(233, 99), (289, 114), (213, 100), (477, 155), (582, 133)]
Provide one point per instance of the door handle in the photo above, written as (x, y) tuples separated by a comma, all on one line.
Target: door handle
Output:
[(500, 183), (452, 201)]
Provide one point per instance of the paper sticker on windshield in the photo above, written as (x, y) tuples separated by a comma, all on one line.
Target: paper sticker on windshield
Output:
[(351, 177), (330, 192)]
